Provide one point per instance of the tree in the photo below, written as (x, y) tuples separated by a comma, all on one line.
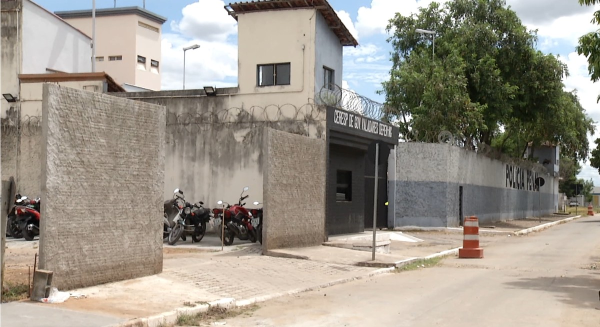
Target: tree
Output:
[(485, 84), (589, 45)]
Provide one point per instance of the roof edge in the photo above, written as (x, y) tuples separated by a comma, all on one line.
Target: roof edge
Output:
[(112, 12)]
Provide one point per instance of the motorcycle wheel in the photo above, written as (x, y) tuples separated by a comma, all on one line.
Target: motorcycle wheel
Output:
[(199, 232), (252, 236), (28, 234), (259, 232), (175, 234), (15, 231), (228, 238)]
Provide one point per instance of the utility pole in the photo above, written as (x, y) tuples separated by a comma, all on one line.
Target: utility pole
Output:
[(94, 35)]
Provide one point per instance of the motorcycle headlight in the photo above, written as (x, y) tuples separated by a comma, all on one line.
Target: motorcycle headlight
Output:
[(187, 210)]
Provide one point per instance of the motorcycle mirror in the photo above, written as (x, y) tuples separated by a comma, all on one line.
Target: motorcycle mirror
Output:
[(246, 188), (219, 202), (176, 190), (23, 198), (256, 203)]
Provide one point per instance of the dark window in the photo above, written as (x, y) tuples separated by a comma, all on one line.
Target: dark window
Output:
[(115, 58), (328, 78), (343, 190), (273, 74), (154, 63), (141, 59)]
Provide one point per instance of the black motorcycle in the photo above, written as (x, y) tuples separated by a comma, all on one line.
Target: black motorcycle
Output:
[(190, 221)]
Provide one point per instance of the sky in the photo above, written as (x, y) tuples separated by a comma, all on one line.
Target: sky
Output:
[(205, 22)]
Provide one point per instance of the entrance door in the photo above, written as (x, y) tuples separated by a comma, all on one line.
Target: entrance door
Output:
[(382, 194), (345, 187)]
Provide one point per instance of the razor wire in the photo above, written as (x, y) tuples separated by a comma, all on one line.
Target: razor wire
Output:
[(306, 115), (335, 96), (28, 126)]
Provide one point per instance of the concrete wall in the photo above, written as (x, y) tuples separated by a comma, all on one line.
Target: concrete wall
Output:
[(27, 142), (294, 191), (49, 42), (213, 150), (11, 20), (329, 52), (428, 178), (101, 209), (280, 36)]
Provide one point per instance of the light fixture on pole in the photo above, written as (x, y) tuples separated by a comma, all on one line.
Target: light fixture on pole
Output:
[(191, 47), (432, 33), (9, 97), (93, 36)]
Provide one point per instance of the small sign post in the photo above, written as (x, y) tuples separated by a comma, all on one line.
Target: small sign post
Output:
[(377, 151)]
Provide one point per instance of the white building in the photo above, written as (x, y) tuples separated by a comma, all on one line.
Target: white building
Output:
[(287, 50), (35, 41), (128, 43)]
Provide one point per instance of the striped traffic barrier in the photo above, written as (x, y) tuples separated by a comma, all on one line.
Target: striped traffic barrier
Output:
[(590, 210), (471, 247)]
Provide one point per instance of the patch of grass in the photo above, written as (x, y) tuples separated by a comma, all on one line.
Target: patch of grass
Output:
[(214, 313), (425, 263), (14, 292)]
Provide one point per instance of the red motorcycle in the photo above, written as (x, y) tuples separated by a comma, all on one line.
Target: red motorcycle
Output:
[(28, 217), (238, 221)]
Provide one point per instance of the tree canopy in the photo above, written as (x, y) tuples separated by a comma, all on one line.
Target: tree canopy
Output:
[(589, 45), (486, 82)]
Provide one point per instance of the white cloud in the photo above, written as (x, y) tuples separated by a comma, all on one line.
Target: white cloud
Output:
[(206, 20), (374, 19), (345, 18), (212, 63), (362, 50)]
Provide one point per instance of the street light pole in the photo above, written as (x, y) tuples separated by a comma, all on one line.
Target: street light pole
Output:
[(432, 33), (191, 47)]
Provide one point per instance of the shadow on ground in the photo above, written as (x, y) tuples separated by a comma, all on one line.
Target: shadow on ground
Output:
[(580, 291)]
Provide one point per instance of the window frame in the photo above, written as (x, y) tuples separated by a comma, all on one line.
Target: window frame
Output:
[(346, 187), (115, 58), (274, 78), (329, 85)]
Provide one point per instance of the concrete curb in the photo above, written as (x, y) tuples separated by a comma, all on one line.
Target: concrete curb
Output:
[(230, 303), (544, 226), (402, 263), (168, 318)]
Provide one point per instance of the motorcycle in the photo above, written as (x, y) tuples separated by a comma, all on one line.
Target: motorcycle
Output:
[(190, 221), (28, 217), (237, 221), (12, 228), (257, 221), (172, 208)]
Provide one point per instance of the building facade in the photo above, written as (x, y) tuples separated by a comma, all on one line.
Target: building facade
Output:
[(35, 41), (128, 44)]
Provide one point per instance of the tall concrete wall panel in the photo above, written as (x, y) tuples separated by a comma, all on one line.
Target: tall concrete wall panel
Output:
[(429, 178), (214, 145), (103, 176), (294, 191)]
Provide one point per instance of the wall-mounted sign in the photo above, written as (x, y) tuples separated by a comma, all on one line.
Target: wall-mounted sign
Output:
[(353, 123), (521, 179)]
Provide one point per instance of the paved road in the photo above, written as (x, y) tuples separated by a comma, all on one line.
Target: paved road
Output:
[(544, 279), (17, 314)]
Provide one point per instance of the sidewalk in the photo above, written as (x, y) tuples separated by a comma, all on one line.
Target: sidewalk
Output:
[(199, 273)]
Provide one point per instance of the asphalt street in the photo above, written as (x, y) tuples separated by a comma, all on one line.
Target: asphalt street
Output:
[(543, 279)]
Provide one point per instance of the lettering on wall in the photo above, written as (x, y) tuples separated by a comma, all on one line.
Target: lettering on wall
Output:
[(364, 124), (520, 178)]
